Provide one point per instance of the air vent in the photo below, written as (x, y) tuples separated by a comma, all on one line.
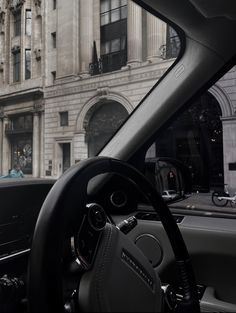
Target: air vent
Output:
[(151, 216)]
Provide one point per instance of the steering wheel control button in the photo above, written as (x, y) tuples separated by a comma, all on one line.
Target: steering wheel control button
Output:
[(89, 234), (96, 216), (127, 225)]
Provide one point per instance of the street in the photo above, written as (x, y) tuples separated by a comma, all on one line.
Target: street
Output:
[(202, 201)]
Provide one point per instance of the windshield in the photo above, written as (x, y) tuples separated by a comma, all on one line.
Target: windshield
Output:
[(68, 81)]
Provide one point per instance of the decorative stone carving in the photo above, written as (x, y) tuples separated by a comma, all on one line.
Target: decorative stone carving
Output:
[(38, 106), (1, 66), (37, 52), (15, 49), (103, 92), (14, 5), (38, 7), (2, 16), (2, 20), (38, 2), (2, 114)]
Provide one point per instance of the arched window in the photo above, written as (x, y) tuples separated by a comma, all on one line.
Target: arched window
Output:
[(103, 123), (195, 138)]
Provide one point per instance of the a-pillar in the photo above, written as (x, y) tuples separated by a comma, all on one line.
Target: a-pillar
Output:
[(134, 34), (156, 37), (36, 145), (86, 35)]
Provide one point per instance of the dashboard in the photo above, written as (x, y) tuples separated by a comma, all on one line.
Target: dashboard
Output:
[(211, 238), (20, 202)]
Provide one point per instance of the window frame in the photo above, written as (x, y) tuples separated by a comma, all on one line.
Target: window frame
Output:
[(54, 40), (17, 66), (28, 22), (54, 4), (112, 10), (64, 118), (17, 22), (28, 61)]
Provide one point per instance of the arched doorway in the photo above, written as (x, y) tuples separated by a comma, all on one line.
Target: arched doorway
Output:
[(104, 120), (195, 138)]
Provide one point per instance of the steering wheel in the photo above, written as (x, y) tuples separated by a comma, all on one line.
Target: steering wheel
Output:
[(116, 276)]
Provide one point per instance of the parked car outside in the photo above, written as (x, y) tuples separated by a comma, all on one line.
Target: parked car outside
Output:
[(169, 194)]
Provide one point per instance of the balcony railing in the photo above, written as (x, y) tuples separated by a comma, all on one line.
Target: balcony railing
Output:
[(11, 130), (108, 63), (171, 49)]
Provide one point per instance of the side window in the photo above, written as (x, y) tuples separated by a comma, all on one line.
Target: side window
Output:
[(201, 139)]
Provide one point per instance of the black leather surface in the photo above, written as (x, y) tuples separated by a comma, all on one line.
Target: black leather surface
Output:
[(122, 279)]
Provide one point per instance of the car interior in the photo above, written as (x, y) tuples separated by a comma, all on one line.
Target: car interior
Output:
[(101, 238)]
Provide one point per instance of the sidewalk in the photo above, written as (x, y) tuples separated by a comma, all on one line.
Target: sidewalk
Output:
[(202, 201)]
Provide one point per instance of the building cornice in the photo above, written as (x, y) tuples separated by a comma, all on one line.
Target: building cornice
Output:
[(113, 79), (34, 93)]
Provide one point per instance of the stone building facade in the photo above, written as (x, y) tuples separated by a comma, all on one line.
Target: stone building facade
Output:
[(74, 62), (21, 86)]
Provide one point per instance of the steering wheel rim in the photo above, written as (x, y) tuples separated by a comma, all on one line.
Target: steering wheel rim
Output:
[(45, 292)]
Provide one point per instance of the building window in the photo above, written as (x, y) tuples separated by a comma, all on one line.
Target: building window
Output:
[(113, 11), (20, 124), (54, 40), (54, 4), (27, 64), (28, 22), (17, 23), (54, 74), (113, 34), (16, 66), (115, 45), (172, 47), (64, 118), (20, 134)]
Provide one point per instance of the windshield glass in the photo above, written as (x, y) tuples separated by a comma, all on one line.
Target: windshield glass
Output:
[(69, 80)]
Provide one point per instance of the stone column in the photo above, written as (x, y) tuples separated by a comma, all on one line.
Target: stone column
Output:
[(36, 144), (134, 33), (80, 146), (86, 35), (67, 37), (6, 153), (42, 161), (156, 37)]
